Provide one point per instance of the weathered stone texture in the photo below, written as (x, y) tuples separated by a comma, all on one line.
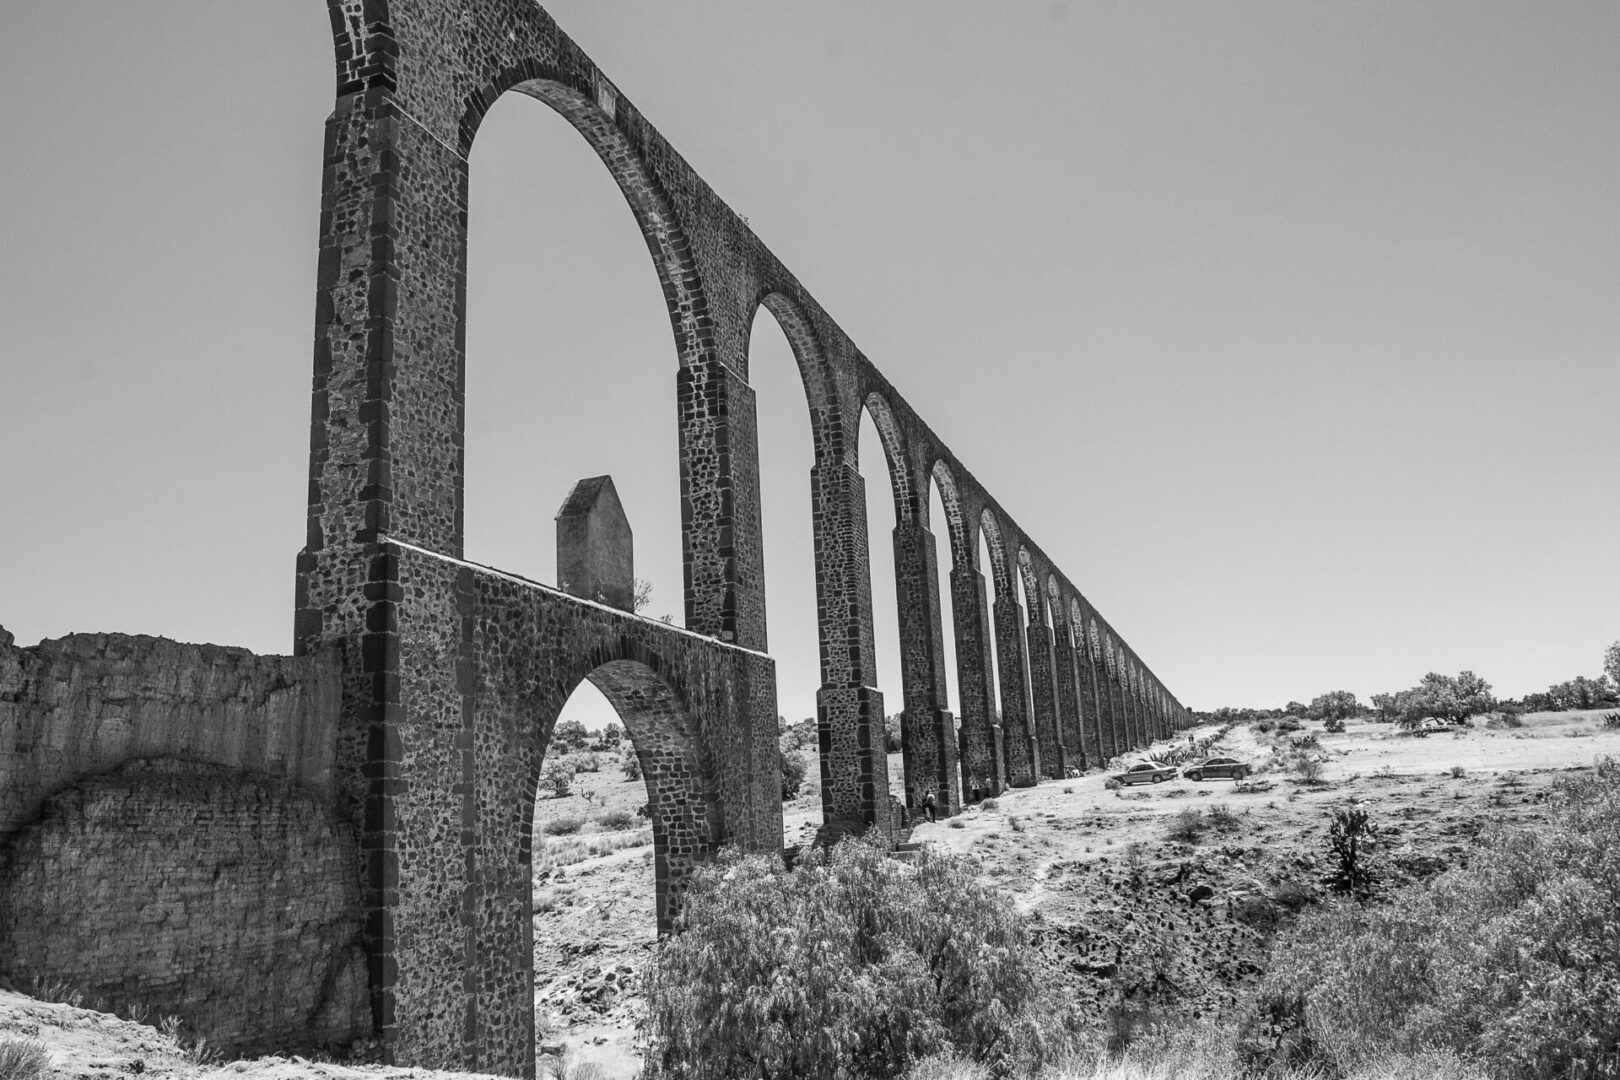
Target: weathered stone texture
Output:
[(83, 704), (177, 888)]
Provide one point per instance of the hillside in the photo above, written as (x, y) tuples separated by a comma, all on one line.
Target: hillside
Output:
[(1105, 874)]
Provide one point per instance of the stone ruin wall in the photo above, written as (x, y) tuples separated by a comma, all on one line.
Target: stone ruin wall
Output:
[(167, 839)]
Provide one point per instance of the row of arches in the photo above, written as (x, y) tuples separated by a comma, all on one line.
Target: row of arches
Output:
[(1041, 680)]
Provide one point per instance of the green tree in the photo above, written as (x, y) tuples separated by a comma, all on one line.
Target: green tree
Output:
[(568, 736), (1440, 695), (557, 779), (1579, 693), (792, 763), (1334, 705), (1611, 663)]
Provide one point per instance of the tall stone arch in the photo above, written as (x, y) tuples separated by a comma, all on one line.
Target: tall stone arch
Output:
[(1046, 755), (978, 750)]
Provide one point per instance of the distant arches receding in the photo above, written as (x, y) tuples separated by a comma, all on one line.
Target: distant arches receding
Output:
[(1000, 569), (819, 395), (955, 521), (894, 453), (1033, 596), (666, 240)]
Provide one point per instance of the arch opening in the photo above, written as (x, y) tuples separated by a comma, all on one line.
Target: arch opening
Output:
[(557, 291), (881, 464), (783, 362), (600, 792)]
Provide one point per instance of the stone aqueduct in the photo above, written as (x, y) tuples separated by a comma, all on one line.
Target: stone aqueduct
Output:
[(445, 677)]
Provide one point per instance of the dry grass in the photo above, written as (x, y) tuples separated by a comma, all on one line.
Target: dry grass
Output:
[(1201, 1052), (23, 1059), (550, 853)]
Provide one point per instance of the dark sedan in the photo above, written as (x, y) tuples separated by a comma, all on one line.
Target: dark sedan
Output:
[(1145, 772), (1217, 768)]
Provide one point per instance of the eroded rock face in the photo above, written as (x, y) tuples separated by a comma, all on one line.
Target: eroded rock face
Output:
[(168, 843), (86, 703)]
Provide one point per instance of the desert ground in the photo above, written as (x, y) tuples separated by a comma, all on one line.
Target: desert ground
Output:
[(1092, 866)]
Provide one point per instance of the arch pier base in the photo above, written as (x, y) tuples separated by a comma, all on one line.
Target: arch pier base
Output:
[(462, 673)]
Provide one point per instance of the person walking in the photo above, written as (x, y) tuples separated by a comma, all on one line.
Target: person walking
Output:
[(928, 803)]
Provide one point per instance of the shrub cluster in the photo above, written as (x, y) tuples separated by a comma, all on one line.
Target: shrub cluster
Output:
[(852, 964), (1513, 959)]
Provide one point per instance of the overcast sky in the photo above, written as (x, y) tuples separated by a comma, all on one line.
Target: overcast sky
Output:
[(1288, 330)]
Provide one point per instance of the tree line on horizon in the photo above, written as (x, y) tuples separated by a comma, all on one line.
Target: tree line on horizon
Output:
[(1447, 697)]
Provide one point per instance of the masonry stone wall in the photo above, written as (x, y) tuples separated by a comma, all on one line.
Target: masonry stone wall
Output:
[(167, 887), (167, 842)]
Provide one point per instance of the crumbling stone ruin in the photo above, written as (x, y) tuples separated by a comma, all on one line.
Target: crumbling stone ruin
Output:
[(307, 849)]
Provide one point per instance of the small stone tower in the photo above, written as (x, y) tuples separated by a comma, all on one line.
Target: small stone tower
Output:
[(595, 549)]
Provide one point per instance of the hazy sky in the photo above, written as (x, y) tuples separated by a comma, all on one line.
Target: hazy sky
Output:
[(1288, 330)]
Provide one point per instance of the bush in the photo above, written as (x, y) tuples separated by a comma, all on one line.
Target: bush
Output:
[(1511, 959), (1306, 767), (852, 964), (1187, 827), (1289, 723), (616, 820), (1611, 721), (563, 826), (990, 804), (1334, 726), (792, 763), (630, 763), (557, 779), (23, 1059)]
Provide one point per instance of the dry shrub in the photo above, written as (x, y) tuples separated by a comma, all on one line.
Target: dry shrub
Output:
[(851, 964), (1306, 767), (1187, 827), (1512, 959), (616, 820), (566, 825), (23, 1059)]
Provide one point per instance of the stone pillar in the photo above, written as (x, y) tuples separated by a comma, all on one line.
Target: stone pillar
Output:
[(722, 546), (1018, 738), (387, 312), (1098, 732), (979, 755), (1133, 713), (1043, 697), (1071, 722), (1116, 701), (928, 730), (849, 708)]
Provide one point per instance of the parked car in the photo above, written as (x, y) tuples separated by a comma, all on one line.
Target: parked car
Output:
[(1217, 768), (1145, 772)]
